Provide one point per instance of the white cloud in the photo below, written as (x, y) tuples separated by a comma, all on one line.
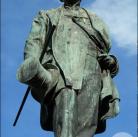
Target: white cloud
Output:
[(122, 134), (121, 17)]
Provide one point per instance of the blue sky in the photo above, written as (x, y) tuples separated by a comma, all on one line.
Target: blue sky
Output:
[(17, 16)]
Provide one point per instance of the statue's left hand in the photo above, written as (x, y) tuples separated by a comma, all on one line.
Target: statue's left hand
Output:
[(108, 62)]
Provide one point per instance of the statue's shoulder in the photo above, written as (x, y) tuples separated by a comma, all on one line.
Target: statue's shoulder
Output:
[(98, 21), (91, 13), (96, 18), (51, 12)]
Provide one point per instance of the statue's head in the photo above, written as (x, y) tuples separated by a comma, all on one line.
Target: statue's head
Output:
[(70, 1)]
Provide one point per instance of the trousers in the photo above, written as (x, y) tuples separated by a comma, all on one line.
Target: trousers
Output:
[(76, 111)]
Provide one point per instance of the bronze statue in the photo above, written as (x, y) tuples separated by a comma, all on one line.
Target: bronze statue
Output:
[(73, 81)]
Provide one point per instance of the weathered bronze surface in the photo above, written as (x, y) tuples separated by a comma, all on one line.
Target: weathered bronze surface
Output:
[(74, 82)]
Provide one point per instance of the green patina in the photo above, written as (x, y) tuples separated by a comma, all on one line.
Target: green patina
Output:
[(74, 82)]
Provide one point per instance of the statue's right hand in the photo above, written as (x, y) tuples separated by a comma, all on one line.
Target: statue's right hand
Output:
[(27, 70)]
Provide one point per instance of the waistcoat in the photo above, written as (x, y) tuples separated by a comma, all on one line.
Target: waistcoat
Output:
[(71, 46)]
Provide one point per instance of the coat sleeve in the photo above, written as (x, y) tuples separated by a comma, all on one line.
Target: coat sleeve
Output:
[(111, 61), (35, 42), (33, 48), (106, 60), (102, 28)]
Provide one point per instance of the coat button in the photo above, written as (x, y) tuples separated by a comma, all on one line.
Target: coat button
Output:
[(68, 42)]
